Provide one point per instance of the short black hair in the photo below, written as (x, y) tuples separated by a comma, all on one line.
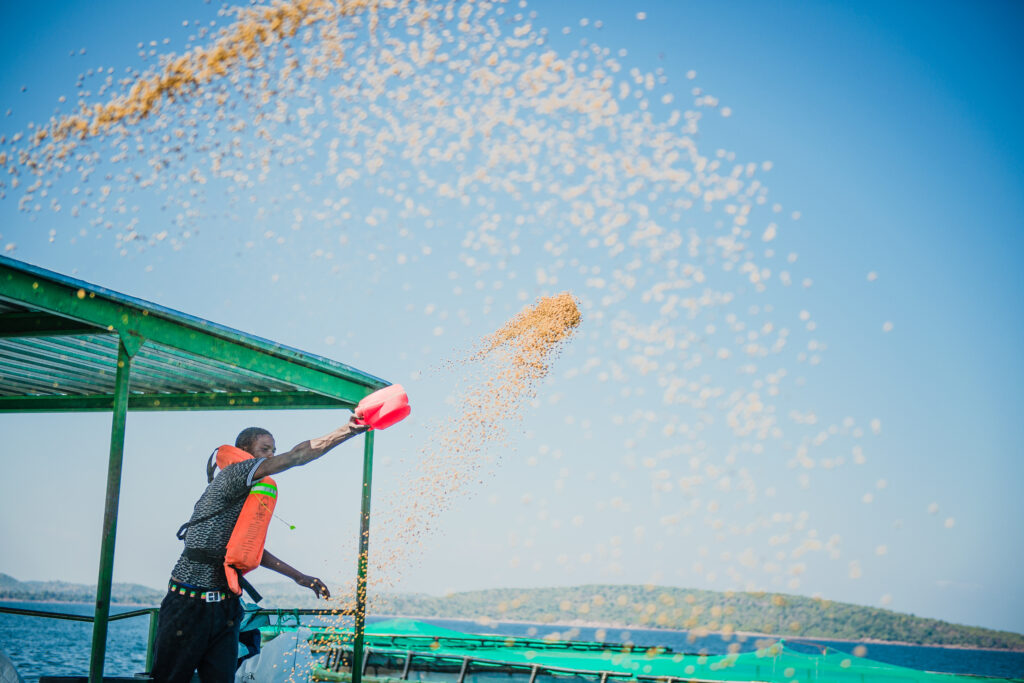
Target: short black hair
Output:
[(247, 437)]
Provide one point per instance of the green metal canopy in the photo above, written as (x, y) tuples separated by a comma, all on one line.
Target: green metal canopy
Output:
[(69, 346), (59, 343)]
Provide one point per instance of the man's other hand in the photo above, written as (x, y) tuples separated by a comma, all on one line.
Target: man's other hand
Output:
[(314, 584)]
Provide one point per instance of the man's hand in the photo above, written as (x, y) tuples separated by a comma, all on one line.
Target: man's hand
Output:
[(356, 424), (283, 568), (314, 584)]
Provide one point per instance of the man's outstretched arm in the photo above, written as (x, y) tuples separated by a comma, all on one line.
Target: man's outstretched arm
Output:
[(272, 563), (307, 451)]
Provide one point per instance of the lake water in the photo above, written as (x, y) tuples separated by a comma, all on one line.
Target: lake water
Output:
[(52, 647)]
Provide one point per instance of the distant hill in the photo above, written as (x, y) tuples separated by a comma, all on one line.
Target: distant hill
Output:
[(59, 591), (699, 611), (627, 606)]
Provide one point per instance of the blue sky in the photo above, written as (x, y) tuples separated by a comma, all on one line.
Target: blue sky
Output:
[(889, 128)]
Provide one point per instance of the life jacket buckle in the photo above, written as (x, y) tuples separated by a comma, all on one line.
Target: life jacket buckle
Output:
[(211, 596)]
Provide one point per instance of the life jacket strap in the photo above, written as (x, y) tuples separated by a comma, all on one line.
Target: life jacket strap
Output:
[(192, 522), (215, 559), (211, 466), (249, 588), (204, 556)]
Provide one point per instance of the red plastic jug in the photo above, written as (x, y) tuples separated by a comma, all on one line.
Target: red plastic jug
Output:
[(384, 407)]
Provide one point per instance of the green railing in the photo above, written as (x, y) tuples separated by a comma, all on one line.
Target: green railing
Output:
[(283, 615), (151, 611)]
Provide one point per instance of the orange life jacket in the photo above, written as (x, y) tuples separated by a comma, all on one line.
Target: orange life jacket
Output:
[(245, 547), (244, 550)]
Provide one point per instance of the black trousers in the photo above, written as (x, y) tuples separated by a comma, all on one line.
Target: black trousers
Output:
[(193, 634)]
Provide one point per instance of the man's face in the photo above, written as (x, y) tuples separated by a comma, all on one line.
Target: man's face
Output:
[(264, 446)]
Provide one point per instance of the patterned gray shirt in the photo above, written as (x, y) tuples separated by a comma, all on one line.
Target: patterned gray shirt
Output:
[(229, 485)]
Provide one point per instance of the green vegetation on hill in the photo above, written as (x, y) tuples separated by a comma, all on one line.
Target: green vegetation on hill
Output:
[(699, 611), (696, 611), (59, 591)]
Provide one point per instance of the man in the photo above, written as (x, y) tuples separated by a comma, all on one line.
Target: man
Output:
[(200, 616)]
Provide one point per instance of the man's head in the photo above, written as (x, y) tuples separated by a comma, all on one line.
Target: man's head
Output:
[(256, 441)]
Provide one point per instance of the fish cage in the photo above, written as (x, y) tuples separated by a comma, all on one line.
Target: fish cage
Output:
[(403, 650)]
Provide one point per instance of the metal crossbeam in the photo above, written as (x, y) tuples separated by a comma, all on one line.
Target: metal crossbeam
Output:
[(246, 400), (42, 325)]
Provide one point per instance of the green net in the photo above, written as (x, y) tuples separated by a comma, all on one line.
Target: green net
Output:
[(481, 658), (410, 627)]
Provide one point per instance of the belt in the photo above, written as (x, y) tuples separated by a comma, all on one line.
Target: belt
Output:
[(188, 591)]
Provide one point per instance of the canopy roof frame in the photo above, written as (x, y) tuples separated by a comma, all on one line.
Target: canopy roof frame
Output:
[(181, 362), (39, 309)]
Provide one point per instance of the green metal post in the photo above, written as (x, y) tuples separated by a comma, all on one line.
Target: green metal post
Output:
[(154, 619), (364, 545), (106, 574)]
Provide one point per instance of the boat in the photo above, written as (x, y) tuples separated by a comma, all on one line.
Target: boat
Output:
[(67, 346)]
